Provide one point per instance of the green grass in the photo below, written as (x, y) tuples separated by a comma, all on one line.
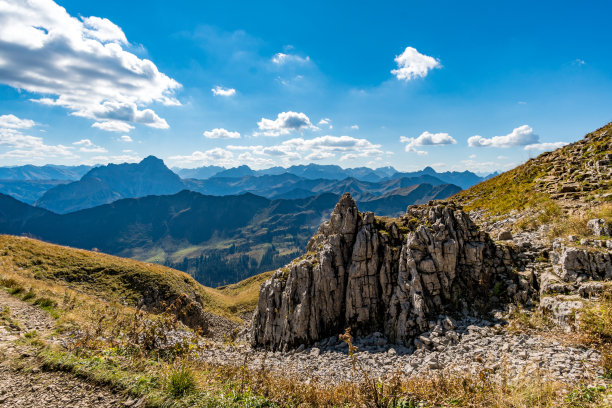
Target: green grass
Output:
[(181, 381), (518, 189)]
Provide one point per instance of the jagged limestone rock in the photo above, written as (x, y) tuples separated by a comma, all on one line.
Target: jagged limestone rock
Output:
[(572, 264), (367, 274), (598, 226)]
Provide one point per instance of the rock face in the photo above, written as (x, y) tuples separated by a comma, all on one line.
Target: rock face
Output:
[(572, 264), (382, 275), (598, 226)]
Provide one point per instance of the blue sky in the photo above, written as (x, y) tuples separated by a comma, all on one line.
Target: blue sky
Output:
[(471, 85)]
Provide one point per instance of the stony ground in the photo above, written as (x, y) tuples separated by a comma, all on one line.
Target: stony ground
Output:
[(468, 345), (34, 387)]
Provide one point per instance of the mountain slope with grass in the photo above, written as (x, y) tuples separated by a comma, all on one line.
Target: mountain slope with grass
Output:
[(125, 281), (573, 177)]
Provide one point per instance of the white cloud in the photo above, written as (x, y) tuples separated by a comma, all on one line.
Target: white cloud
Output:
[(220, 91), (87, 146), (113, 126), (286, 153), (520, 136), (95, 149), (324, 121), (412, 64), (13, 122), (104, 30), (220, 133), (546, 147), (21, 146), (355, 127), (316, 156), (126, 138), (83, 142), (81, 65), (285, 123), (281, 59), (427, 139)]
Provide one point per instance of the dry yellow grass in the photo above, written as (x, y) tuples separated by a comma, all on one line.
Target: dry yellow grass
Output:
[(118, 279)]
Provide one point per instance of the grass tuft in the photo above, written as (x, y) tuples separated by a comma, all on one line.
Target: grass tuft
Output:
[(181, 381)]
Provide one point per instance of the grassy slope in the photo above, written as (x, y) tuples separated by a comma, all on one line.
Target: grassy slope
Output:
[(119, 279), (518, 189)]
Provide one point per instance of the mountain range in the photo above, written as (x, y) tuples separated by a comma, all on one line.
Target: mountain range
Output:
[(212, 237), (242, 233), (220, 229), (313, 171), (106, 184), (47, 172)]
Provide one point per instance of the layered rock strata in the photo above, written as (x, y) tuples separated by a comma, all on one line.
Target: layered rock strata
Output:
[(385, 275)]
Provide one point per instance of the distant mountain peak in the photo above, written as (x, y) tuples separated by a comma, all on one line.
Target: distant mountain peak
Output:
[(429, 170)]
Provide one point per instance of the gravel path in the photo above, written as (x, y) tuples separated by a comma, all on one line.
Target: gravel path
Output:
[(40, 388)]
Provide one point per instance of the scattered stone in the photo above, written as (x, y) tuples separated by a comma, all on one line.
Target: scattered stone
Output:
[(505, 235)]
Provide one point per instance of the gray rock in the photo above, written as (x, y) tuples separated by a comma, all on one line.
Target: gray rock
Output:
[(598, 226), (357, 275), (563, 309)]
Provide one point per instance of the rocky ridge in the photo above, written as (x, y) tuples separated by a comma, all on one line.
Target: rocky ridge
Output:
[(389, 276)]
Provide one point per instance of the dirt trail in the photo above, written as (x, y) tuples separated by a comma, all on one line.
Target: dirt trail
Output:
[(36, 387)]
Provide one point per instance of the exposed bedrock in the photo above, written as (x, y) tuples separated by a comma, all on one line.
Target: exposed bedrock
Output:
[(381, 275)]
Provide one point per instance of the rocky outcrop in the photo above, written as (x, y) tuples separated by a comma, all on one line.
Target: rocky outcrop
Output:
[(382, 275)]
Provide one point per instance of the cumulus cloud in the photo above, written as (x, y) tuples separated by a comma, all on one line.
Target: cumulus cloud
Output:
[(220, 91), (220, 133), (426, 139), (411, 64), (545, 147), (126, 138), (14, 144), (281, 59), (520, 136), (11, 121), (113, 126), (285, 123), (355, 127), (80, 64)]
